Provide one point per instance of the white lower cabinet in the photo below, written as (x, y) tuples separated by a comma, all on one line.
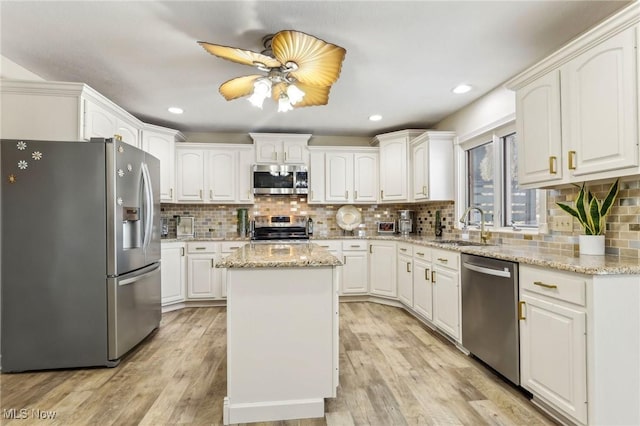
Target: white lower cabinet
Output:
[(553, 346), (172, 272), (226, 248), (382, 268), (421, 281), (204, 280), (405, 274), (355, 266), (446, 291)]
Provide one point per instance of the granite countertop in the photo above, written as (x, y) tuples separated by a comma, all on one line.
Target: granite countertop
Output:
[(264, 255), (590, 265)]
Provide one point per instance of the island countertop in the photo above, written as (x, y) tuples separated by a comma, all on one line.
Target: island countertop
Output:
[(264, 255)]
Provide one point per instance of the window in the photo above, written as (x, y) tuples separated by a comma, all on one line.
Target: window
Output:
[(492, 181)]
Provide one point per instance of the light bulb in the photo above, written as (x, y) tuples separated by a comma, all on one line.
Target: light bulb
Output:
[(295, 94), (284, 104), (261, 90)]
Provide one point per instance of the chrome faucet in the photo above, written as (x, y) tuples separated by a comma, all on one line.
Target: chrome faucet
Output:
[(464, 219)]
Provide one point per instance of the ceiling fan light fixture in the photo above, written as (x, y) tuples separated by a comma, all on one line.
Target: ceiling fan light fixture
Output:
[(284, 103), (294, 94), (261, 91)]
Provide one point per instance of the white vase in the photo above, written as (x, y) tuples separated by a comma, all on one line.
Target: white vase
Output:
[(591, 244)]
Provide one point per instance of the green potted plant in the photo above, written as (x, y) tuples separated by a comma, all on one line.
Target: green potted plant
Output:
[(591, 213)]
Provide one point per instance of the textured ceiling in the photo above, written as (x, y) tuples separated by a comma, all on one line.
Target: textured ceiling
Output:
[(403, 58)]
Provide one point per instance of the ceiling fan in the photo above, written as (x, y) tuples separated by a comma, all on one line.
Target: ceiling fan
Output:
[(300, 70)]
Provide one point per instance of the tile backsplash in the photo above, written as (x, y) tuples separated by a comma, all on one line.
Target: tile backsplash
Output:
[(622, 235)]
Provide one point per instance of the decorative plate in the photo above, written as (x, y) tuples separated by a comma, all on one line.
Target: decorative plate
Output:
[(348, 218)]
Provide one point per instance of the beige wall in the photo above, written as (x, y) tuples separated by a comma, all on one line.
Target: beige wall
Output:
[(244, 138), (9, 69)]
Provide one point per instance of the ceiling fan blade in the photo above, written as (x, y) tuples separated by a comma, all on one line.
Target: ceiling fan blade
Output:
[(246, 57), (319, 63), (238, 87)]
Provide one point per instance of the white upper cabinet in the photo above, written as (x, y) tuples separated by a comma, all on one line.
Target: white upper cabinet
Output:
[(599, 107), (432, 166), (577, 111), (281, 148), (42, 110), (395, 164), (349, 175), (160, 142), (213, 173)]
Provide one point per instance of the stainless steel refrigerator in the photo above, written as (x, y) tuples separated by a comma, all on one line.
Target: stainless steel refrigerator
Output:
[(80, 250)]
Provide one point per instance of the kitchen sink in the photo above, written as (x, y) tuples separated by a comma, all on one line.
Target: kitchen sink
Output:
[(462, 243)]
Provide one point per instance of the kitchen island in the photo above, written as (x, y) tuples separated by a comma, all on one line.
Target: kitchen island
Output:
[(282, 331)]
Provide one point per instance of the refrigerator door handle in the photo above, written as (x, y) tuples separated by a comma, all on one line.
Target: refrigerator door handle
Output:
[(148, 194)]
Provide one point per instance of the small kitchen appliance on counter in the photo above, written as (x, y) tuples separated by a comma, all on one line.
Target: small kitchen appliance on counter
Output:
[(406, 222), (275, 228), (185, 226)]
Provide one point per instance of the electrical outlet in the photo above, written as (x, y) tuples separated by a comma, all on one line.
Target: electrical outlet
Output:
[(562, 223)]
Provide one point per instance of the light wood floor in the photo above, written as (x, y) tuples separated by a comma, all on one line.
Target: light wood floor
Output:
[(393, 371)]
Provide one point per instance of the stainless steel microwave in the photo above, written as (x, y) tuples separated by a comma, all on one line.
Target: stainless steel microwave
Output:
[(280, 179)]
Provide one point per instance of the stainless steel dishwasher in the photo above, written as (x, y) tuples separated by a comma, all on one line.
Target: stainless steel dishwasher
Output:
[(490, 313)]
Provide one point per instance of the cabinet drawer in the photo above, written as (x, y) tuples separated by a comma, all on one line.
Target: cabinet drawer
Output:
[(445, 258), (202, 247), (331, 245), (348, 245), (555, 284), (420, 252), (229, 246), (405, 249)]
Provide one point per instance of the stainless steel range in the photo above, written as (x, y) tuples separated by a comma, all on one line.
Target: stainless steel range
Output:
[(280, 228)]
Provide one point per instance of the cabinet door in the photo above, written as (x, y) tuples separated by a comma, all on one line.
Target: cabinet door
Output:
[(295, 152), (245, 160), (98, 122), (172, 273), (365, 177), (129, 132), (316, 178), (553, 355), (599, 105), (405, 280), (539, 131), (338, 177), (267, 151), (203, 280), (190, 175), (162, 146), (354, 272), (422, 295), (393, 170), (446, 301), (221, 175), (419, 187), (382, 269)]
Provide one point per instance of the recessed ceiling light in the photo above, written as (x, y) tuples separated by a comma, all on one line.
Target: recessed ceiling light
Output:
[(175, 110), (461, 88), (375, 117)]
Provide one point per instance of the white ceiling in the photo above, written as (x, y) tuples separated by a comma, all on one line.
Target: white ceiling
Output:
[(403, 58)]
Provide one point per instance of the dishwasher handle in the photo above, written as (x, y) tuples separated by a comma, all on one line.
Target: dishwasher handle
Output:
[(488, 271)]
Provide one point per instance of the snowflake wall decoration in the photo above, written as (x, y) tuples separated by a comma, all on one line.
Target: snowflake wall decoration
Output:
[(22, 145), (37, 155), (12, 178), (22, 164)]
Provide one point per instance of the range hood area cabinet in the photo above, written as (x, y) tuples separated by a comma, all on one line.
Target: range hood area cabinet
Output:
[(214, 173), (577, 110), (416, 165), (281, 148)]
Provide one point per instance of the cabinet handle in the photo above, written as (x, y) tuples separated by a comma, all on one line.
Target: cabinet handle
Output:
[(521, 310), (371, 249), (213, 264), (541, 284), (181, 251), (403, 249), (324, 246), (426, 274), (201, 248), (443, 260), (118, 137), (346, 195), (234, 247), (433, 276), (355, 246), (285, 156), (424, 190), (344, 259), (552, 165), (275, 154), (572, 158), (211, 194), (381, 194), (408, 267), (420, 254), (311, 195), (200, 194), (355, 195), (170, 192)]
